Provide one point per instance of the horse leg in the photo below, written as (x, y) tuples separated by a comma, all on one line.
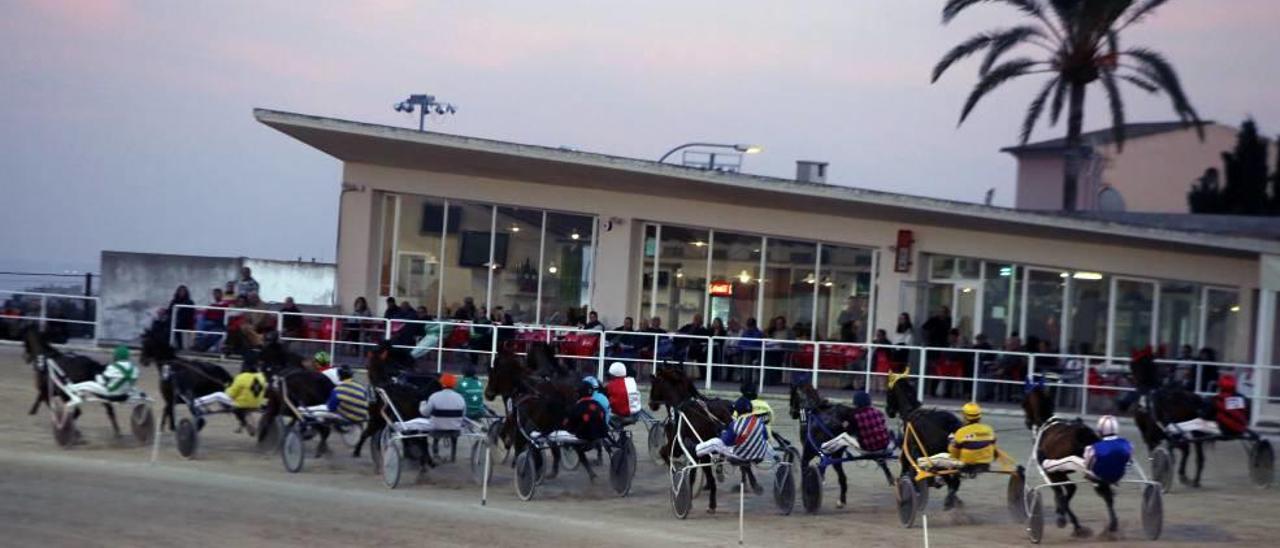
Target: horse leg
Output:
[(323, 447), (1108, 496), (1199, 463), (371, 428), (1077, 530), (586, 463), (710, 480), (844, 485), (111, 414), (751, 480), (953, 497), (555, 462), (888, 476), (1182, 466)]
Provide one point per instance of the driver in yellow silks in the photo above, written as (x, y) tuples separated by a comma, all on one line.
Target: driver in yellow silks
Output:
[(971, 445)]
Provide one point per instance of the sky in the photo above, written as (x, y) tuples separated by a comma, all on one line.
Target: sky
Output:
[(129, 126)]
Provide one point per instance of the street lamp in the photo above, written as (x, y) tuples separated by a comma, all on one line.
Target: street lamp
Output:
[(740, 148), (426, 104)]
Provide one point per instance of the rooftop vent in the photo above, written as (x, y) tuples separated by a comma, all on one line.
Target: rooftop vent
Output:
[(811, 172)]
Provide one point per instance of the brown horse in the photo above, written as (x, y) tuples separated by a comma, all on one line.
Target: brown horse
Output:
[(383, 366), (831, 420), (1060, 439), (933, 428), (305, 387), (532, 405), (1037, 406), (189, 379), (76, 368)]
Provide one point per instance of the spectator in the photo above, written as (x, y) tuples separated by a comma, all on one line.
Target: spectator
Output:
[(881, 359), (393, 310), (423, 314), (182, 318), (291, 322), (778, 329), (655, 326), (467, 312), (848, 319), (229, 292), (750, 348), (593, 322), (1209, 374), (246, 284), (361, 308), (937, 328), (407, 311), (905, 333), (212, 319)]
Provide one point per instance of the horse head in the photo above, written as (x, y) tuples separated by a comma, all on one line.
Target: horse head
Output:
[(901, 395), (541, 360), (381, 364), (155, 346), (670, 386), (1037, 406), (804, 397), (506, 374), (35, 344)]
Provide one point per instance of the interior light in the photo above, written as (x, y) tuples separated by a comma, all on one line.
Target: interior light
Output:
[(744, 276), (1235, 308), (680, 273), (552, 269), (574, 235), (515, 228), (699, 243), (1087, 276), (967, 290), (1063, 275), (1006, 271), (809, 279)]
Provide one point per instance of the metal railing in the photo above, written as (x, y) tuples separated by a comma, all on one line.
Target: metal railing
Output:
[(1083, 384), (67, 317)]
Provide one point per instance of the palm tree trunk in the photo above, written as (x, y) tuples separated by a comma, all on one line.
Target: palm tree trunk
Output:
[(1074, 153)]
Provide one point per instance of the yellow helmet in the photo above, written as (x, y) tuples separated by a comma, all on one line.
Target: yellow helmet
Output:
[(972, 412)]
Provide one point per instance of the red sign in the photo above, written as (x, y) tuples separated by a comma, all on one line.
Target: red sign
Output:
[(721, 288), (902, 252)]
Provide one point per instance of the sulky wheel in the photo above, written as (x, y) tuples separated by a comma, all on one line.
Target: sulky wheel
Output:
[(1262, 464), (811, 489), (907, 502), (1016, 496), (270, 440), (682, 492), (351, 434), (622, 468), (1152, 512), (526, 480), (784, 489), (143, 423), (499, 448), (392, 461), (657, 439), (480, 466), (64, 423), (1162, 468), (188, 438), (1035, 518), (568, 458), (292, 451)]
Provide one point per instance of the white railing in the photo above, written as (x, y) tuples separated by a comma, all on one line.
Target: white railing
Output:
[(80, 320), (1081, 384)]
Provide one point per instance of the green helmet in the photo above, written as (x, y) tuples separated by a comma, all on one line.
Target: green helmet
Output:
[(321, 357), (120, 354)]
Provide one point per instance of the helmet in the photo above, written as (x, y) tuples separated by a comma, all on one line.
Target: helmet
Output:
[(617, 369), (972, 412), (344, 373), (592, 380), (585, 390), (1227, 383), (861, 399), (120, 354), (321, 357), (448, 380), (749, 391), (742, 406), (1108, 426)]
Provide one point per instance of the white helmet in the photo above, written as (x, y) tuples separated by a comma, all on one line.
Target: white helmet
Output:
[(616, 369), (1108, 426)]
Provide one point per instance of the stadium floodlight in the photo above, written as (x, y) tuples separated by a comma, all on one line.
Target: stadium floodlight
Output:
[(425, 104)]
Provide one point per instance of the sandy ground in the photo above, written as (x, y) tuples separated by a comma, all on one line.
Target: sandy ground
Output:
[(104, 492)]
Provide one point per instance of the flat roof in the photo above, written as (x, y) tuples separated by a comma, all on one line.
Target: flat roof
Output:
[(359, 142)]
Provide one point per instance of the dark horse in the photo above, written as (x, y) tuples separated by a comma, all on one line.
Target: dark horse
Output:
[(1163, 404), (190, 379), (532, 404), (387, 370), (933, 427), (305, 387), (1059, 439), (77, 368), (707, 416), (821, 421)]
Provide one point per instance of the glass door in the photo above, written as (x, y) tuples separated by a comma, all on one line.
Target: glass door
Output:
[(1134, 311), (964, 314)]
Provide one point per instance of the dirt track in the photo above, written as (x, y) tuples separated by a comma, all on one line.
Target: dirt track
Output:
[(103, 492)]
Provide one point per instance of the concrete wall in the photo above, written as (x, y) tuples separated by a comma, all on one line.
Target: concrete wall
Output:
[(1039, 181), (617, 272), (135, 285)]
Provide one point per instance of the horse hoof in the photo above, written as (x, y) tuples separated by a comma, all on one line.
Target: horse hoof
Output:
[(839, 505), (1062, 521), (755, 488), (1195, 484), (1082, 532)]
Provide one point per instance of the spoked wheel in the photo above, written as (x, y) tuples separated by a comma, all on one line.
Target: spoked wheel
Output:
[(526, 474), (907, 502), (1162, 468), (392, 458), (657, 438), (1262, 464), (681, 492), (569, 458), (292, 451), (480, 466), (271, 439), (64, 423), (1016, 495), (1152, 512), (622, 467), (375, 449), (1035, 518), (143, 423), (499, 449), (811, 489), (351, 434), (188, 438), (442, 448), (784, 489)]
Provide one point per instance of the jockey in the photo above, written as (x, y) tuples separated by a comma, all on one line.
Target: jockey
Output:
[(442, 411), (866, 434), (586, 421), (1230, 409), (246, 393), (973, 444), (745, 439), (1105, 460), (348, 401), (624, 396), (472, 391), (118, 379), (758, 406), (324, 365), (597, 393)]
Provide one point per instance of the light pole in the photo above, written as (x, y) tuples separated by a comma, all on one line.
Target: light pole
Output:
[(741, 148), (425, 104)]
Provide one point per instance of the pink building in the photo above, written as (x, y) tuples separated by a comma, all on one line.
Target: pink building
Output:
[(1153, 173)]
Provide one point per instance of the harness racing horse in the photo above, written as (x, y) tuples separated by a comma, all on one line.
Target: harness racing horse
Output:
[(533, 406), (77, 368), (1060, 439), (933, 427), (386, 369), (1162, 405), (821, 421), (305, 387), (190, 379), (1037, 405)]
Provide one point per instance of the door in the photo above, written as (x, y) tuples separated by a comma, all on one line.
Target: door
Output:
[(965, 297)]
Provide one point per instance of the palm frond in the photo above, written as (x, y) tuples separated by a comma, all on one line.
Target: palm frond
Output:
[(964, 49), (1059, 97), (1116, 103), (1143, 9), (1005, 40), (954, 7), (999, 75), (1156, 69), (1143, 84), (1036, 108)]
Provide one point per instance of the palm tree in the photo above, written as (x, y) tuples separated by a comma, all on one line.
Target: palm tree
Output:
[(1079, 43)]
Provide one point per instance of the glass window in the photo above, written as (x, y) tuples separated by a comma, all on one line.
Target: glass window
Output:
[(682, 276), (418, 264), (515, 280), (646, 275), (566, 270), (789, 289), (388, 237), (844, 293), (466, 259), (1000, 294), (1179, 318), (1087, 329), (1044, 306), (1222, 324), (735, 275), (941, 267), (1135, 306)]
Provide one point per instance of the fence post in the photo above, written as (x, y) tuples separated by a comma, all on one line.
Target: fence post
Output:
[(711, 348), (44, 312), (1084, 388), (333, 339), (871, 351), (817, 350), (493, 345), (924, 359), (760, 382), (174, 325), (97, 321), (600, 351), (977, 364), (1199, 379)]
